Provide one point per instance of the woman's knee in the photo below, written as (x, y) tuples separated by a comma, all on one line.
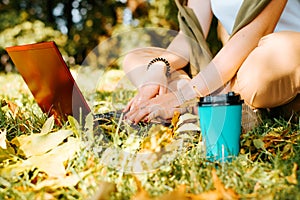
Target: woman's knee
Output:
[(285, 38), (268, 77)]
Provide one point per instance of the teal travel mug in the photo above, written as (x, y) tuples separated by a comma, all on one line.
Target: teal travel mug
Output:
[(220, 123)]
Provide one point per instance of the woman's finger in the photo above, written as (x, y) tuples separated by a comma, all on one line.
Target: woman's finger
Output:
[(128, 106), (139, 113), (144, 111), (162, 90), (165, 113)]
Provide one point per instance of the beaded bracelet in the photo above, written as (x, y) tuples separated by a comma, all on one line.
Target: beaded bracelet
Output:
[(168, 74)]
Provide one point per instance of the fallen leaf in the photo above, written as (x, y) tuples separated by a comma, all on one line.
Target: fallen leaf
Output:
[(104, 191), (158, 137), (3, 144), (6, 151), (187, 117), (209, 195), (63, 181), (48, 125), (220, 188), (44, 196), (219, 193), (287, 152), (188, 127), (12, 107), (15, 169), (259, 144), (293, 179), (141, 193), (175, 118), (52, 162), (7, 154), (177, 194), (175, 145), (38, 144)]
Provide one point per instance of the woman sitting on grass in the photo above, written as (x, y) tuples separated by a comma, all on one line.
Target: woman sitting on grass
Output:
[(260, 59)]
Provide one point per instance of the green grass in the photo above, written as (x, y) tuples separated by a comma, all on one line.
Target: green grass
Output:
[(267, 167)]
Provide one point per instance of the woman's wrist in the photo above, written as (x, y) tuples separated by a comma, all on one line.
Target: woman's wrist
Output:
[(186, 93), (160, 64)]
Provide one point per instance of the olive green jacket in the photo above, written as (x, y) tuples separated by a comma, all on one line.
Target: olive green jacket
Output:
[(200, 54)]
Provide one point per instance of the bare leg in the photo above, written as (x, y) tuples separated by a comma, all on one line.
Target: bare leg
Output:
[(270, 76)]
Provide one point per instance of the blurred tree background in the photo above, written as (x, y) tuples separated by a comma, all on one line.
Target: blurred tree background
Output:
[(78, 26)]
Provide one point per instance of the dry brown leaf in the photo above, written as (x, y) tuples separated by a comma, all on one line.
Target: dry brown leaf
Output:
[(292, 179), (180, 193), (209, 195), (141, 193), (224, 193), (177, 194), (12, 107), (219, 193), (104, 190)]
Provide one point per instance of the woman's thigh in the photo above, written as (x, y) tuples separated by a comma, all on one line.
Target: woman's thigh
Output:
[(270, 76)]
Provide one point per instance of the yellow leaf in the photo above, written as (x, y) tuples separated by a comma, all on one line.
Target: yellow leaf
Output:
[(48, 125), (292, 179), (104, 191), (15, 169), (52, 162), (225, 193), (38, 144), (174, 145), (44, 196), (209, 195), (188, 127), (141, 193), (175, 118), (64, 181), (178, 193), (3, 139), (219, 193)]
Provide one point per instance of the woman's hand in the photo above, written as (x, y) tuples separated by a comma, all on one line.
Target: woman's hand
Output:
[(161, 106)]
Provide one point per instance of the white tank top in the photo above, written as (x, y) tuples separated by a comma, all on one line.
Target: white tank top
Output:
[(226, 11)]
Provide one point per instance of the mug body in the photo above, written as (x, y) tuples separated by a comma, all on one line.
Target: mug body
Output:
[(220, 123)]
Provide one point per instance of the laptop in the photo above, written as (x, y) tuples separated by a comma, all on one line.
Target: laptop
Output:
[(50, 81)]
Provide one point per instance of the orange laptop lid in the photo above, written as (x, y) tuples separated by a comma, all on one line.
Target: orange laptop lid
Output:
[(49, 79)]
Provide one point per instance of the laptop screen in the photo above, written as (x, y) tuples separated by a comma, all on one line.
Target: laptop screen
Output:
[(49, 79)]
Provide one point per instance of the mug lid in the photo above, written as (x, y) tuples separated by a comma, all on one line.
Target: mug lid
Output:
[(230, 98)]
